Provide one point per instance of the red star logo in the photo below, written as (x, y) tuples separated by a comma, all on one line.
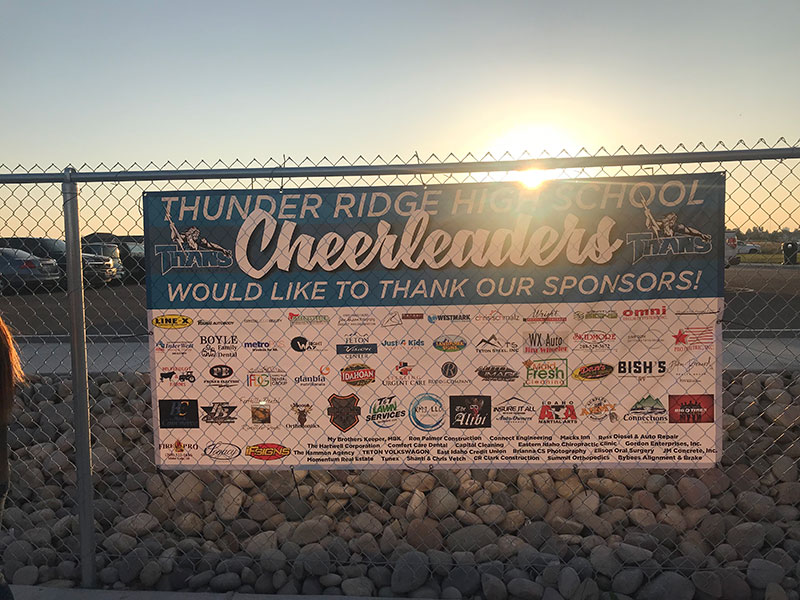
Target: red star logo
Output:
[(680, 338)]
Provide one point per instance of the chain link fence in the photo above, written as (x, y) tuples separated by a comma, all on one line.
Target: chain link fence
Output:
[(728, 532)]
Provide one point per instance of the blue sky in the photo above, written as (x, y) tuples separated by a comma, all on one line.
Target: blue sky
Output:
[(91, 82)]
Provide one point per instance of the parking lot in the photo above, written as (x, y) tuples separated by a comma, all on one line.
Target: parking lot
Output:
[(761, 301)]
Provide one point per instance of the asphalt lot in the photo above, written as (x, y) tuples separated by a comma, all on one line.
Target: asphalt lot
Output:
[(761, 301)]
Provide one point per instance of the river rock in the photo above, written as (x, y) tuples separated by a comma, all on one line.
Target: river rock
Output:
[(761, 573), (668, 586), (441, 502), (471, 538), (694, 492), (410, 572)]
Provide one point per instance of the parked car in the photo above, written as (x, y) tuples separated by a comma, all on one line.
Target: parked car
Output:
[(743, 247), (108, 250), (131, 252), (97, 270), (731, 249), (20, 270)]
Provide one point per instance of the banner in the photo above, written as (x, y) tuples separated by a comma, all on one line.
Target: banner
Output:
[(443, 325)]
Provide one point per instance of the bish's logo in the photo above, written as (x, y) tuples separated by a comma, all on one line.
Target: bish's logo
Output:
[(641, 368)]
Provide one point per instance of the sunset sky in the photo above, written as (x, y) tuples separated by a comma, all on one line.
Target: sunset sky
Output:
[(107, 82)]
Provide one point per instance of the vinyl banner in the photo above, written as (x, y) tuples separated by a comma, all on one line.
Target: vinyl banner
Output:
[(438, 326)]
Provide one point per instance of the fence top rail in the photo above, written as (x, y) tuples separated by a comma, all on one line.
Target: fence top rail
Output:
[(619, 160)]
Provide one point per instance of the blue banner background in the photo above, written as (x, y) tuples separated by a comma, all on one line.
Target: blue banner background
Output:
[(701, 208)]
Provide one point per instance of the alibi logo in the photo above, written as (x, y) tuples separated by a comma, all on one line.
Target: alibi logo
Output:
[(470, 412)]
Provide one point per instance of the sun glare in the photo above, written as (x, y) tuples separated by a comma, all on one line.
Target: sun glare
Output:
[(533, 178)]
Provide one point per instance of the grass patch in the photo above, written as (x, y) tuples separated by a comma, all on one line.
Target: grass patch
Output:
[(770, 259)]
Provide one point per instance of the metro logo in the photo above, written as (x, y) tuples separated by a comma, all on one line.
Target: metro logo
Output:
[(172, 321), (267, 451)]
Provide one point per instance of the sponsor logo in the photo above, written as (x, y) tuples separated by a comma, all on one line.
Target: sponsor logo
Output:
[(311, 380), (666, 237), (449, 370), (693, 338), (546, 373), (641, 368), (653, 313), (592, 372), (356, 344), (263, 345), (302, 344), (496, 316), (497, 373), (593, 340), (449, 343), (541, 315), (384, 412), (402, 375), (222, 451), (693, 370), (494, 344), (544, 343), (219, 413), (599, 409), (261, 415), (513, 410), (177, 376), (358, 374), (426, 412), (356, 320), (267, 451), (191, 250), (178, 414), (270, 377), (172, 322), (221, 377), (450, 376), (203, 322), (178, 450), (649, 409), (691, 408), (302, 319), (586, 315), (173, 348), (301, 411), (219, 346), (470, 412), (558, 412), (394, 318), (410, 342), (220, 371), (448, 318), (344, 411), (642, 333)]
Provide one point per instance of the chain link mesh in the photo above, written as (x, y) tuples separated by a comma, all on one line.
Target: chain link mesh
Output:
[(728, 532)]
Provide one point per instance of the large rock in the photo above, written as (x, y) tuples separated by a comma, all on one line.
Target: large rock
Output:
[(410, 572), (761, 573), (668, 586), (532, 504), (471, 538), (755, 506), (441, 503), (138, 524), (694, 492), (186, 486), (229, 502)]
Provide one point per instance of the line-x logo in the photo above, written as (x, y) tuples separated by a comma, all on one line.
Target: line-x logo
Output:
[(172, 321)]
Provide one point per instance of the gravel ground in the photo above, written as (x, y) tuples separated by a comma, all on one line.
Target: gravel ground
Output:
[(731, 532)]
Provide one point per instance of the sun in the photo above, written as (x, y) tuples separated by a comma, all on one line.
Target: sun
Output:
[(533, 138), (533, 178)]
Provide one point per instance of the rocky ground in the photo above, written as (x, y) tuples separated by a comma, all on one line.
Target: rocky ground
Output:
[(731, 533)]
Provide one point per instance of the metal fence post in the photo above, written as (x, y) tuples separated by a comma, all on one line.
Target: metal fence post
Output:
[(80, 379)]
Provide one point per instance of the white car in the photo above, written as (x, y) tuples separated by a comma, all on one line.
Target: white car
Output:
[(747, 248)]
